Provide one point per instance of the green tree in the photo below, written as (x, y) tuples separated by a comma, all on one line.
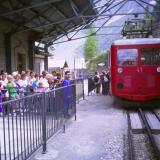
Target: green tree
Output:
[(93, 63), (90, 46)]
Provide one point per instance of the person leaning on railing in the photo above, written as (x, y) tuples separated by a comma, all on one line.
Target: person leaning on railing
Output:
[(66, 93)]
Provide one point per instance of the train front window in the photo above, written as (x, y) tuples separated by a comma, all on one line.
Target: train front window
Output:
[(127, 57), (150, 56)]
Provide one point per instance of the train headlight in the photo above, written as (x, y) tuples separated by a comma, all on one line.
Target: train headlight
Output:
[(119, 85), (120, 70), (158, 69)]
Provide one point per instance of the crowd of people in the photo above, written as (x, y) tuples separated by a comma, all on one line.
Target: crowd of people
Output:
[(17, 85), (101, 81)]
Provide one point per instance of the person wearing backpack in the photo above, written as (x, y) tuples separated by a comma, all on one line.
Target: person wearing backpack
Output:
[(104, 82), (97, 83)]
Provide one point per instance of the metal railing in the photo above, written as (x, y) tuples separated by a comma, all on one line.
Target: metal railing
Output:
[(27, 123), (79, 89), (91, 85)]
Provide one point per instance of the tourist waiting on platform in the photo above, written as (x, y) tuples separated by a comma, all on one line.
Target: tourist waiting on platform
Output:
[(67, 93), (96, 80), (105, 83), (26, 83)]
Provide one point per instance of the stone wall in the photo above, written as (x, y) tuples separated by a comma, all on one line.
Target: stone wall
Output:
[(19, 46)]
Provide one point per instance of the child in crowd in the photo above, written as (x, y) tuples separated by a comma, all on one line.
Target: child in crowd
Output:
[(11, 87), (35, 84), (40, 88), (12, 90)]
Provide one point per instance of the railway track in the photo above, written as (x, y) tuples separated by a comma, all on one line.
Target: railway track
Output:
[(146, 123)]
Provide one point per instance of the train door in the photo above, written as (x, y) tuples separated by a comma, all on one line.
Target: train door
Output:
[(150, 68), (127, 68)]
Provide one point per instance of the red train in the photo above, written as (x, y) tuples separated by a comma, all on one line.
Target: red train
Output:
[(135, 69)]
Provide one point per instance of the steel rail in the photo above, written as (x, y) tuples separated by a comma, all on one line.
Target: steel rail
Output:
[(156, 115), (131, 154), (149, 132)]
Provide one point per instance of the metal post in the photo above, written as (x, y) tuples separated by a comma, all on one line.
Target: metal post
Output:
[(8, 57), (46, 63), (83, 90), (31, 54), (44, 125), (75, 102), (88, 86), (74, 61), (64, 128)]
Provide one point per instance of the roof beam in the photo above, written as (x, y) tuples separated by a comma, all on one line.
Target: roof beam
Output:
[(62, 13), (106, 5), (28, 20), (88, 36), (147, 3), (76, 10), (46, 18), (28, 7), (117, 10), (138, 2), (61, 21), (85, 29), (73, 18), (81, 13), (74, 7)]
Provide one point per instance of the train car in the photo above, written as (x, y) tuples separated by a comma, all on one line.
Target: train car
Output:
[(135, 69)]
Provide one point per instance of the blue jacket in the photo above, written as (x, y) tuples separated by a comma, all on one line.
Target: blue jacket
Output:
[(67, 92)]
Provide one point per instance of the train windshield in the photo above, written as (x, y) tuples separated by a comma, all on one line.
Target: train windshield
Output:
[(150, 56), (127, 57)]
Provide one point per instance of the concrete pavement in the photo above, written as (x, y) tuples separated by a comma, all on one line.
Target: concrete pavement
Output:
[(98, 133)]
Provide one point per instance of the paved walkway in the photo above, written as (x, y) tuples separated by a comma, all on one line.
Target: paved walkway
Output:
[(98, 133)]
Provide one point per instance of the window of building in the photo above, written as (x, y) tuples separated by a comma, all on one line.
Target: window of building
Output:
[(150, 56), (127, 57)]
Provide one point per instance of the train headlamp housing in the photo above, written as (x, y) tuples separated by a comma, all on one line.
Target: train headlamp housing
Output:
[(120, 86), (120, 70), (158, 69)]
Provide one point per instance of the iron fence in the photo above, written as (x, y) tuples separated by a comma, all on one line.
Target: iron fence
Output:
[(79, 89), (27, 123), (91, 85)]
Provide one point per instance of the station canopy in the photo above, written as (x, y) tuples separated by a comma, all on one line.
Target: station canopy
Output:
[(49, 18), (53, 19)]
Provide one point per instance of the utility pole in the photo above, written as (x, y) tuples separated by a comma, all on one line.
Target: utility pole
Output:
[(74, 55)]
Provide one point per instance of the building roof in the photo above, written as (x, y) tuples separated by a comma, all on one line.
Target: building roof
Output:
[(49, 19), (137, 41)]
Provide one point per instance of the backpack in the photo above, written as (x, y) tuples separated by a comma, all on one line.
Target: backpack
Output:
[(96, 79), (105, 79)]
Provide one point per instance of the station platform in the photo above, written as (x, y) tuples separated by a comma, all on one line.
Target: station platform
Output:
[(97, 134)]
